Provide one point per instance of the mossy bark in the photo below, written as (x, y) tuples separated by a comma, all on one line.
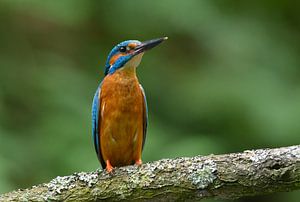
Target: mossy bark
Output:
[(229, 176)]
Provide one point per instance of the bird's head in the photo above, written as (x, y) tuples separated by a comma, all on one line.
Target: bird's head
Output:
[(128, 54)]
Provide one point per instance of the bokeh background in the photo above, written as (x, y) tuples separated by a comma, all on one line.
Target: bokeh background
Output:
[(227, 80)]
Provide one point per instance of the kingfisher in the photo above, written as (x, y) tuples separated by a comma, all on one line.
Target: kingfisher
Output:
[(119, 108)]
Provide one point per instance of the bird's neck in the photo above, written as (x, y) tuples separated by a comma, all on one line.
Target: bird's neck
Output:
[(127, 71), (122, 77)]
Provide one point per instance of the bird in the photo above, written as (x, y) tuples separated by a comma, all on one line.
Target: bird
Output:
[(119, 107)]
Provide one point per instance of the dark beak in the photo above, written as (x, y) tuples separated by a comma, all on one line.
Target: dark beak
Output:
[(147, 45)]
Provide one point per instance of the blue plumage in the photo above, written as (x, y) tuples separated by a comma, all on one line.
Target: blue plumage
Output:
[(95, 122), (119, 63)]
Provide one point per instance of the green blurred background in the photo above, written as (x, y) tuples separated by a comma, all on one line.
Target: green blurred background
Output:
[(227, 80)]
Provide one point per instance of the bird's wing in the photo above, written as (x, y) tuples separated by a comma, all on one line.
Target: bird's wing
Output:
[(96, 120), (145, 115)]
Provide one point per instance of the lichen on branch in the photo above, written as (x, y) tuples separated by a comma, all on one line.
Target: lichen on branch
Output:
[(229, 176)]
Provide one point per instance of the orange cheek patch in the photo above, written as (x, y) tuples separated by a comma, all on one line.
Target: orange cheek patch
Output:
[(114, 58), (132, 45)]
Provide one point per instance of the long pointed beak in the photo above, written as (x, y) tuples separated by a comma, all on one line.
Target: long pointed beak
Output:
[(147, 45)]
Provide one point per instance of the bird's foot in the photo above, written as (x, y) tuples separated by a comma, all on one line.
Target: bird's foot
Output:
[(138, 162), (109, 167)]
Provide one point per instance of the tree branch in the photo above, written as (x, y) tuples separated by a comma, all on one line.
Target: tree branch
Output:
[(229, 176)]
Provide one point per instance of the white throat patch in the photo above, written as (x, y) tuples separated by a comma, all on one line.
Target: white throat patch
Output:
[(135, 61)]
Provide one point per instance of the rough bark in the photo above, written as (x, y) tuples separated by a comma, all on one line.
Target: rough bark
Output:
[(229, 176)]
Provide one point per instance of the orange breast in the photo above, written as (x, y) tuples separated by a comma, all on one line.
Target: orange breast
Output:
[(121, 123)]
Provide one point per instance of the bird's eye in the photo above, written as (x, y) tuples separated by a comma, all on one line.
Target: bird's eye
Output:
[(122, 49)]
